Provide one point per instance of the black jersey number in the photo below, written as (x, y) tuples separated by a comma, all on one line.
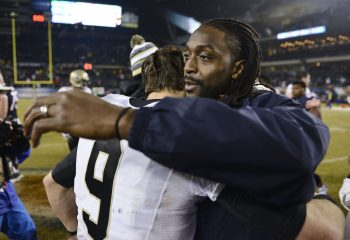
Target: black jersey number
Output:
[(102, 188)]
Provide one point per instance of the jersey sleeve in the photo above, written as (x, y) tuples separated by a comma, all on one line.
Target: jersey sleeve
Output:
[(64, 172)]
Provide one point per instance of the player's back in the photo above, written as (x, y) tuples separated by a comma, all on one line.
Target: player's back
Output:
[(144, 200)]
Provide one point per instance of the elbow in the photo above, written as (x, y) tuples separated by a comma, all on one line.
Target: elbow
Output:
[(48, 181), (324, 220), (303, 164), (313, 151), (312, 146), (50, 185)]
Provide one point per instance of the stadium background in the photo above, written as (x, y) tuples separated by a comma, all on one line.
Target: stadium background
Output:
[(104, 53)]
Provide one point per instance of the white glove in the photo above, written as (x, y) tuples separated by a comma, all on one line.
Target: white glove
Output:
[(344, 194)]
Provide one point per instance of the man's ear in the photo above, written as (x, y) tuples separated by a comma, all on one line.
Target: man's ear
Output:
[(237, 69)]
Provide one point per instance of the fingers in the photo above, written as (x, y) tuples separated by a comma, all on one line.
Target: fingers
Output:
[(32, 116), (40, 127), (34, 113), (41, 101), (74, 112)]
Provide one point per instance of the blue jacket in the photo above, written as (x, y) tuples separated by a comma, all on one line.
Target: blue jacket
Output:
[(269, 148), (8, 198)]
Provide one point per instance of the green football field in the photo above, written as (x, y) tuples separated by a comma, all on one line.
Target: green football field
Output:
[(53, 148)]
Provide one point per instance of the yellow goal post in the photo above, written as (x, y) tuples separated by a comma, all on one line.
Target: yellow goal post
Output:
[(14, 54)]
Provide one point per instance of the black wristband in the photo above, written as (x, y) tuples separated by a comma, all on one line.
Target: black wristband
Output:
[(72, 233), (121, 114)]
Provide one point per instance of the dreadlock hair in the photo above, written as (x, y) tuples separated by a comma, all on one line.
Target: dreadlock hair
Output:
[(164, 69), (242, 40)]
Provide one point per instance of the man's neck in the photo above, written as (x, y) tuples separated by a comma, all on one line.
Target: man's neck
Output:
[(165, 93)]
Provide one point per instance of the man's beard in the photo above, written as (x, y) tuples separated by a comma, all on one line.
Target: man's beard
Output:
[(210, 91)]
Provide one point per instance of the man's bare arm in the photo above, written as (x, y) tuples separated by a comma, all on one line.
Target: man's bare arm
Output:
[(324, 220), (62, 201)]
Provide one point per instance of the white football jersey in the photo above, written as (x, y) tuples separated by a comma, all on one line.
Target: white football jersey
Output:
[(122, 194)]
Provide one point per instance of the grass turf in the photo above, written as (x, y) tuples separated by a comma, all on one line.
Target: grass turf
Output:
[(53, 148)]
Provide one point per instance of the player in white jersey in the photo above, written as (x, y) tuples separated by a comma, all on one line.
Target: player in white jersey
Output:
[(121, 193), (306, 78), (135, 198), (78, 80)]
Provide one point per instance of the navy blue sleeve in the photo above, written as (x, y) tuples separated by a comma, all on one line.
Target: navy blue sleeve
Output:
[(268, 152)]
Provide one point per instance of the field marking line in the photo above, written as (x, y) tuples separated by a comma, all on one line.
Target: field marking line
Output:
[(332, 160), (51, 145)]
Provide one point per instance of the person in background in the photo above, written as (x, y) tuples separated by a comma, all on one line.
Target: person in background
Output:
[(78, 79), (344, 197), (331, 95), (140, 51), (15, 221), (12, 96), (347, 90), (3, 101), (9, 112), (313, 106), (305, 77)]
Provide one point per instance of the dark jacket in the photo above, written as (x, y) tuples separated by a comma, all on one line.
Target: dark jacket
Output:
[(269, 148)]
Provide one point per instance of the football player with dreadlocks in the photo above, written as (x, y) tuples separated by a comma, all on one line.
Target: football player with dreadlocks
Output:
[(255, 142)]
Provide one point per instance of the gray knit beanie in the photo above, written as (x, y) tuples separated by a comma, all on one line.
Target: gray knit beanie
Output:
[(140, 51)]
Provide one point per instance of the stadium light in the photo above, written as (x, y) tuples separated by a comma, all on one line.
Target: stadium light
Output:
[(188, 24), (302, 32), (89, 14)]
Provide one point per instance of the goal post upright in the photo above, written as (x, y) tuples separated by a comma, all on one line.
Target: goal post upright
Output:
[(14, 54)]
